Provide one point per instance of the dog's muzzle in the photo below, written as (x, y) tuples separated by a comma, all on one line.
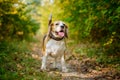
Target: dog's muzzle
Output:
[(60, 33)]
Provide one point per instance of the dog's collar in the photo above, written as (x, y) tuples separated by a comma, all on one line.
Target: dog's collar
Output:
[(55, 38)]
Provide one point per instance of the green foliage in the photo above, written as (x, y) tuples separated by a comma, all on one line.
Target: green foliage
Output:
[(98, 21), (16, 63), (8, 55), (15, 22), (97, 52), (79, 15)]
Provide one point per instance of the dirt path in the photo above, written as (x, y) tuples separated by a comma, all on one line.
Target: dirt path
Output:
[(81, 68)]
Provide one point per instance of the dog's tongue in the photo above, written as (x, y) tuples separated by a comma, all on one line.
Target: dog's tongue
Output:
[(61, 34)]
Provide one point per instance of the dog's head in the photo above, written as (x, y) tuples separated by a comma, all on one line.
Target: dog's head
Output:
[(59, 29)]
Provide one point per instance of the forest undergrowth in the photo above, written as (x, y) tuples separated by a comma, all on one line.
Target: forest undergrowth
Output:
[(22, 61)]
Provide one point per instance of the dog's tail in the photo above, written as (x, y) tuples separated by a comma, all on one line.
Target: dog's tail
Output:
[(46, 37), (49, 26), (50, 20)]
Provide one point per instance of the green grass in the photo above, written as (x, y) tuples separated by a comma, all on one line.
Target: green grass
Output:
[(16, 63), (93, 51)]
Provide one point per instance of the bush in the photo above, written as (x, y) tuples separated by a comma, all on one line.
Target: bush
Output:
[(16, 22)]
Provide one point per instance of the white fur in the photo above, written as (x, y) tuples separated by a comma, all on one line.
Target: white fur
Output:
[(55, 49), (58, 28)]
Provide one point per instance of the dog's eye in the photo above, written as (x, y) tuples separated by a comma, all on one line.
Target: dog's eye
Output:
[(57, 24), (64, 24)]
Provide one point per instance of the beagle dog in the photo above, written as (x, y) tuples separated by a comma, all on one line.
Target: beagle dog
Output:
[(54, 44)]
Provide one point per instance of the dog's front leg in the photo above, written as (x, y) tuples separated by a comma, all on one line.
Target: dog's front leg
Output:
[(64, 69), (44, 60)]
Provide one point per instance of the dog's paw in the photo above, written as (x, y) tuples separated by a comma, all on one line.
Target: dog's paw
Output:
[(43, 68)]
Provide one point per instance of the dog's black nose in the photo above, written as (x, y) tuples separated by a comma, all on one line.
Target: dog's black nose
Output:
[(62, 26)]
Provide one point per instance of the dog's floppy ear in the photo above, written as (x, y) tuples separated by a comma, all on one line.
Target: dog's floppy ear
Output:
[(66, 31), (49, 25)]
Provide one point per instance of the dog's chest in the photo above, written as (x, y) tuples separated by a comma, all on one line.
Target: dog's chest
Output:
[(55, 47)]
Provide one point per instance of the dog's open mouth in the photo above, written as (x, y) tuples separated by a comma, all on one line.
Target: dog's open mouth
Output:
[(61, 33)]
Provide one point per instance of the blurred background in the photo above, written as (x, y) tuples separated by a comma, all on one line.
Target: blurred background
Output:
[(93, 30)]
